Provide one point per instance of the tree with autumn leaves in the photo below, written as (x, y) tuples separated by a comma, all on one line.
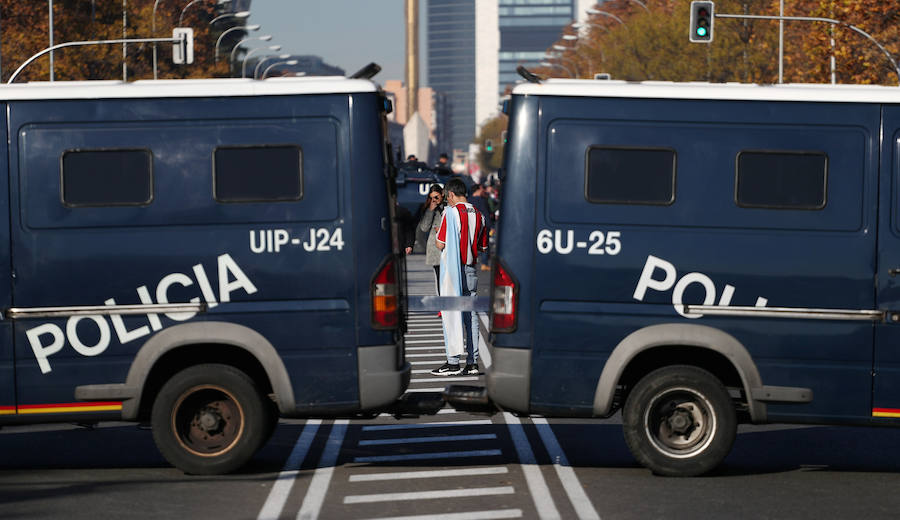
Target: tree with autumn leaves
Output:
[(25, 32), (648, 40)]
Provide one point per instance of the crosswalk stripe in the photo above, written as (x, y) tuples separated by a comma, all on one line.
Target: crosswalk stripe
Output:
[(439, 473), (537, 486), (410, 426), (278, 495), (465, 515), (429, 456), (318, 486), (433, 438), (442, 378)]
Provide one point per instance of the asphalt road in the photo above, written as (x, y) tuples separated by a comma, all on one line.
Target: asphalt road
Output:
[(450, 466)]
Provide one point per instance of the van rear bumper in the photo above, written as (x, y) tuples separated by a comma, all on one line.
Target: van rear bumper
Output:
[(380, 381), (509, 378)]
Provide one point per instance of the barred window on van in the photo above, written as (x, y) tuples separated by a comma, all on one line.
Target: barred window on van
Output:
[(781, 180), (107, 178), (620, 175), (258, 173)]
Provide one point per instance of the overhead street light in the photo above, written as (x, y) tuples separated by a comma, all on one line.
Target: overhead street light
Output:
[(261, 60), (247, 28), (274, 48), (289, 62), (181, 16), (263, 38), (606, 14), (563, 67), (239, 15)]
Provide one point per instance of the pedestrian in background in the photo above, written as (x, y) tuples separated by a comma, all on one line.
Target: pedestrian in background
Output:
[(479, 202), (461, 235), (431, 219)]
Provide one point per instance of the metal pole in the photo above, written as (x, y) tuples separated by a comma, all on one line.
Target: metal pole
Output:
[(153, 31), (50, 2), (124, 36), (832, 21), (781, 43)]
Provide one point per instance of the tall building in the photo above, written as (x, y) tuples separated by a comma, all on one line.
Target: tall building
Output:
[(432, 109), (474, 47), (528, 28), (451, 59)]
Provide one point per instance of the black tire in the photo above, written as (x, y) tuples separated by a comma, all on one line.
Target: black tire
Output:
[(210, 419), (679, 421)]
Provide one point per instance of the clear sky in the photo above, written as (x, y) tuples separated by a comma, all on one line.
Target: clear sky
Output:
[(345, 33)]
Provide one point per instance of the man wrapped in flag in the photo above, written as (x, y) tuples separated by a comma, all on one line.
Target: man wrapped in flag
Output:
[(460, 237)]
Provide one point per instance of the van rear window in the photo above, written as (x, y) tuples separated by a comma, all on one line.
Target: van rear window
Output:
[(630, 176), (107, 178), (781, 180), (258, 173)]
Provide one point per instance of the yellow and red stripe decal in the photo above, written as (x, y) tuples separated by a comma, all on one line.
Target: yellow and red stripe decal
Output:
[(96, 406), (886, 412)]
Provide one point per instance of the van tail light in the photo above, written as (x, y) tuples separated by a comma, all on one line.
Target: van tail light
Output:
[(385, 308), (503, 300)]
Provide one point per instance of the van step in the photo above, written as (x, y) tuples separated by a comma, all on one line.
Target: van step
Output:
[(416, 404), (473, 399)]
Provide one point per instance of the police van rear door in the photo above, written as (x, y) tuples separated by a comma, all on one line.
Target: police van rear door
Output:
[(7, 370), (886, 394)]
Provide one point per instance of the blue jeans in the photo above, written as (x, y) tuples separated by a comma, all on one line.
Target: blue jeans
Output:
[(469, 319)]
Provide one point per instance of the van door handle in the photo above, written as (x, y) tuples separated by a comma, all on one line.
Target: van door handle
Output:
[(894, 272)]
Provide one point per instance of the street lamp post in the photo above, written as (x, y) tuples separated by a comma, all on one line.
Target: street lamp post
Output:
[(181, 16), (274, 48), (551, 64), (288, 62), (261, 60), (247, 28)]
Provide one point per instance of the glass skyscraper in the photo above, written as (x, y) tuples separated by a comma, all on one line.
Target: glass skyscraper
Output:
[(451, 64), (527, 29)]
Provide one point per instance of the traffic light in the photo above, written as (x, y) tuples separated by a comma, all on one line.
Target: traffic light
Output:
[(488, 146), (702, 17)]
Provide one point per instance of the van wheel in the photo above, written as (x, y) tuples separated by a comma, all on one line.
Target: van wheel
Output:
[(210, 419), (679, 421)]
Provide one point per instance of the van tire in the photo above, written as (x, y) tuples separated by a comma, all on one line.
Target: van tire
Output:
[(210, 419), (694, 418)]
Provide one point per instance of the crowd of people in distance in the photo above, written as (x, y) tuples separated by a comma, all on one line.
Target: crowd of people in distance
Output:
[(452, 228)]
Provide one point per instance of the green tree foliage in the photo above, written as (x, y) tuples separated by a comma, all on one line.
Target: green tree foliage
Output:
[(634, 43), (25, 31)]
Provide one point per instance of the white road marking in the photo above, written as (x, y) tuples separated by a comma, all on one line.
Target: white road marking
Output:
[(439, 473), (448, 410), (429, 389), (282, 487), (443, 378), (427, 495), (537, 486), (429, 456), (421, 363), (580, 501), (483, 349), (433, 438), (466, 515), (424, 341), (441, 354), (441, 424), (318, 486), (439, 347)]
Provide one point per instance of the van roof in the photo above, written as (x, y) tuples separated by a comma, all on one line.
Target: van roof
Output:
[(703, 90), (180, 88)]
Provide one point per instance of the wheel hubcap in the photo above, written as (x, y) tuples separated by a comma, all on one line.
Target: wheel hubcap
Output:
[(207, 421), (680, 422)]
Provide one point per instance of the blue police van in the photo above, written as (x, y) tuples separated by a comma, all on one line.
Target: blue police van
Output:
[(699, 256), (205, 256)]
